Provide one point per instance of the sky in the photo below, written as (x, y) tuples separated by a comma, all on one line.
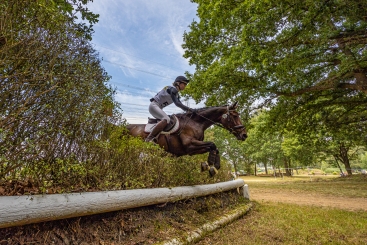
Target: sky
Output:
[(139, 42)]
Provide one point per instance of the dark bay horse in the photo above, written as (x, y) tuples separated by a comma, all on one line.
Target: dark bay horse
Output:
[(188, 139)]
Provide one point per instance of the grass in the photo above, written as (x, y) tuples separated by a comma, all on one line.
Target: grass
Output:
[(275, 223), (355, 186), (280, 223)]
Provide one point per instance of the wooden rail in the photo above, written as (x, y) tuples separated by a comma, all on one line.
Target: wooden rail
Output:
[(22, 210)]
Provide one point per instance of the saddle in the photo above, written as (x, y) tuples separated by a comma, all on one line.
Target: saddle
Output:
[(171, 127)]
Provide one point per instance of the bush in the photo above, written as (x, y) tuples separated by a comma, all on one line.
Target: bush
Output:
[(120, 162)]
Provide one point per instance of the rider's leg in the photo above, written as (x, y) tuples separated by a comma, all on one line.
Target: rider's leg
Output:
[(156, 130), (158, 113)]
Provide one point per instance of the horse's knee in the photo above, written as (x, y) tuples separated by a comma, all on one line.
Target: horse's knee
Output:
[(213, 147)]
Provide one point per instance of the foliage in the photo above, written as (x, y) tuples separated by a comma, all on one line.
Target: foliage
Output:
[(54, 98), (300, 59), (262, 145), (362, 157)]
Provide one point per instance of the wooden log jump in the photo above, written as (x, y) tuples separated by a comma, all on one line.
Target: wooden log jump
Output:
[(22, 210)]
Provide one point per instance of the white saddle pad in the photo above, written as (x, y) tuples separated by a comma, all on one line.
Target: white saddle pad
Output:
[(149, 127)]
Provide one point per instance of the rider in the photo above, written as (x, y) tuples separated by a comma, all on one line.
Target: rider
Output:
[(165, 97)]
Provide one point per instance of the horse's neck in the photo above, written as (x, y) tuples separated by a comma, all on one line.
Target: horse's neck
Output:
[(213, 114)]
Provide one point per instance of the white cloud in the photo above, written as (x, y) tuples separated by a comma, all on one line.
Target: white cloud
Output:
[(142, 41)]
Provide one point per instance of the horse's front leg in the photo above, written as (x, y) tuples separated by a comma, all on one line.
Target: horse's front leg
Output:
[(194, 147)]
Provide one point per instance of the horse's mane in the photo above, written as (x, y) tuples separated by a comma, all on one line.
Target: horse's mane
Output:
[(198, 110)]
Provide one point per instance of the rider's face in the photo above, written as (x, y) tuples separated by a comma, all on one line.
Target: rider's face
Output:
[(182, 85)]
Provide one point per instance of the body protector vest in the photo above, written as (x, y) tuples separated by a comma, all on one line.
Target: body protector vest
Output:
[(164, 98)]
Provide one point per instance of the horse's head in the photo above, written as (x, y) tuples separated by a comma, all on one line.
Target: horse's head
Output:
[(232, 122)]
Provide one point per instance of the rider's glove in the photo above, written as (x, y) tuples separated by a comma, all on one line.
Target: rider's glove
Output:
[(193, 111)]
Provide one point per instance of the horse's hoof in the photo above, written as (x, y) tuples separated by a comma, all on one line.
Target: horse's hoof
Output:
[(204, 166), (212, 171)]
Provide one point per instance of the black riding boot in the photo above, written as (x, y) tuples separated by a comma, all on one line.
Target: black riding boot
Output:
[(156, 130)]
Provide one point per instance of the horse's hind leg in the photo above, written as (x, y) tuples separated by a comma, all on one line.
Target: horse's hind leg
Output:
[(212, 171), (204, 166), (214, 162), (217, 160)]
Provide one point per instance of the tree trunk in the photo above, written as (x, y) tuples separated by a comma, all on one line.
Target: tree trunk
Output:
[(336, 160), (344, 157), (287, 166), (235, 168)]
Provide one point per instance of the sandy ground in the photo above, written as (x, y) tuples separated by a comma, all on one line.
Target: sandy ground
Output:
[(266, 195)]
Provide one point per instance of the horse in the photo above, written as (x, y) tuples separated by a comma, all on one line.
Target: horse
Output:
[(188, 137)]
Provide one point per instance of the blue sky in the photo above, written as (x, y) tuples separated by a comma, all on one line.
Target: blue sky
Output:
[(140, 44)]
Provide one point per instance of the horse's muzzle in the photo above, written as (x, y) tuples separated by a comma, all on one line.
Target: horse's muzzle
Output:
[(240, 132), (241, 136)]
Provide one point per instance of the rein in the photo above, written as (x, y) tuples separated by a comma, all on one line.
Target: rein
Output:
[(214, 123), (227, 115)]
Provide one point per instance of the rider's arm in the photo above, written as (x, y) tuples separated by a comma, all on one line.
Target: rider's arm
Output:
[(174, 95)]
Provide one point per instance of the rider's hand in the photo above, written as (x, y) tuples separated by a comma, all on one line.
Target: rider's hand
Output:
[(193, 111)]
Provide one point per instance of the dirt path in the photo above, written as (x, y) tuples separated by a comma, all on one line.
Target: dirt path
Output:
[(267, 195)]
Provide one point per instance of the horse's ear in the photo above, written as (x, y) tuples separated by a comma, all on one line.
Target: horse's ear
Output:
[(234, 106)]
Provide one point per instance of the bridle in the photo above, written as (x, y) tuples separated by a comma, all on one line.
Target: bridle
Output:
[(227, 116)]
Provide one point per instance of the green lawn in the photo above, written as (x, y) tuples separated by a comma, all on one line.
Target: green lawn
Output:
[(275, 223), (279, 223)]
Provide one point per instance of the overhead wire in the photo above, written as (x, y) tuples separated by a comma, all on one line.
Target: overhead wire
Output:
[(138, 57), (138, 88), (132, 93), (133, 68), (151, 73)]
